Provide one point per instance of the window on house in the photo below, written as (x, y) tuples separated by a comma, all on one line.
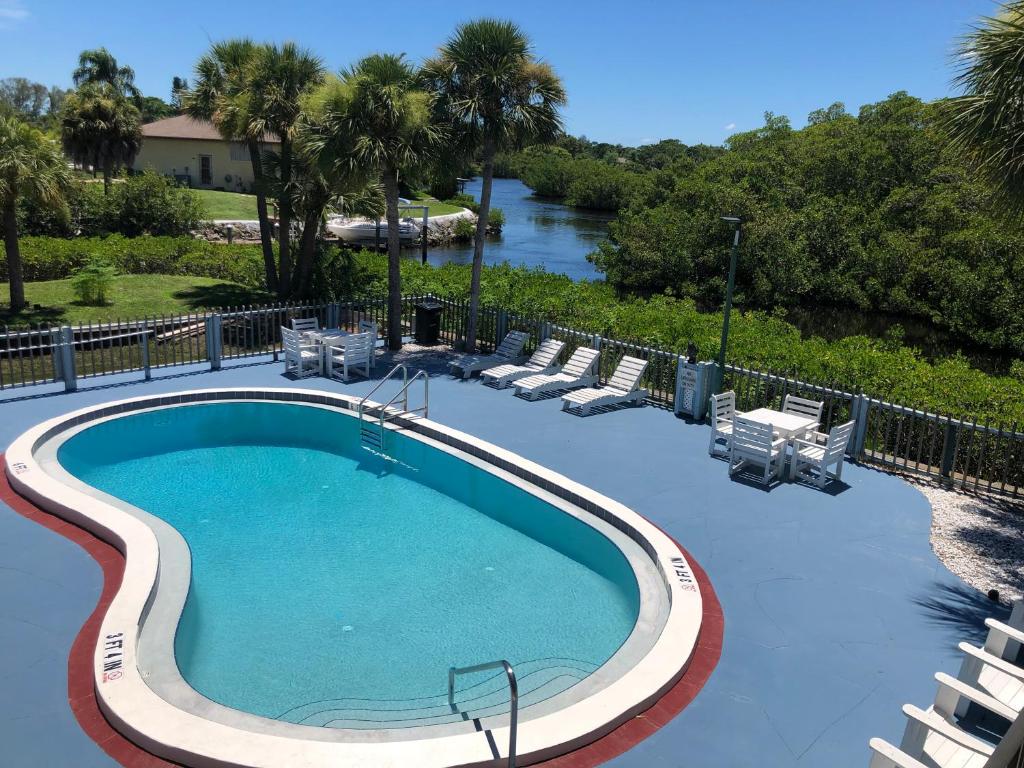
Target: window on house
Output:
[(239, 152)]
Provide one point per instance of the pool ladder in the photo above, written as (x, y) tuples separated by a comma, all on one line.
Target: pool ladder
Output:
[(371, 432), (513, 689)]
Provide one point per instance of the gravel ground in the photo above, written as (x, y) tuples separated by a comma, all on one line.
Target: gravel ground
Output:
[(978, 537)]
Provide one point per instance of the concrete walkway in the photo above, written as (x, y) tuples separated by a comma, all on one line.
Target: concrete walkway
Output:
[(836, 610)]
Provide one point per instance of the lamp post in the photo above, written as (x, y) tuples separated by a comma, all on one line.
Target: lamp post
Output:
[(736, 223)]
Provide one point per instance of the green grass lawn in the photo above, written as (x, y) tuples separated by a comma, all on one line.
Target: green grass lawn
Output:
[(233, 205), (228, 205), (131, 297), (437, 208)]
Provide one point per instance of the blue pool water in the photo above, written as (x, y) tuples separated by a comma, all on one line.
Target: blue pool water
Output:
[(333, 587)]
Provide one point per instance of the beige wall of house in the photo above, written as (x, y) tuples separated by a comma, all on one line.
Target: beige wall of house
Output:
[(184, 157)]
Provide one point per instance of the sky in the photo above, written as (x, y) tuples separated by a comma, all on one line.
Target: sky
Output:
[(635, 71)]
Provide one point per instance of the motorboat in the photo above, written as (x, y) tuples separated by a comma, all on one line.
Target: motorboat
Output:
[(352, 230)]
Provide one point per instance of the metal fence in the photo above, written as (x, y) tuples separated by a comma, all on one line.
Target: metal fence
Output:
[(955, 450)]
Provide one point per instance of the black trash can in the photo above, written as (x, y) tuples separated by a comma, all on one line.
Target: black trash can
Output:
[(428, 322)]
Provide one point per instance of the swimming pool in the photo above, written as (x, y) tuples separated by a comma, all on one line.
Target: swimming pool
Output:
[(279, 576), (366, 577)]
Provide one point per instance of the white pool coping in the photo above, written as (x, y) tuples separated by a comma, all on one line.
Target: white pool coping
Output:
[(184, 736)]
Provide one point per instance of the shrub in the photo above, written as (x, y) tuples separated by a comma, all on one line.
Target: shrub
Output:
[(51, 258), (152, 204), (466, 201), (881, 368), (465, 228), (146, 203), (495, 219), (93, 281)]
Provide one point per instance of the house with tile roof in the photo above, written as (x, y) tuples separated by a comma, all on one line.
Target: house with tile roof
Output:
[(193, 152)]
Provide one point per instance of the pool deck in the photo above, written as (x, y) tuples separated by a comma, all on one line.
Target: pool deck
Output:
[(836, 610)]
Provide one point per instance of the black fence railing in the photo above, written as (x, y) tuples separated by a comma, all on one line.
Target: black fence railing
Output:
[(964, 453)]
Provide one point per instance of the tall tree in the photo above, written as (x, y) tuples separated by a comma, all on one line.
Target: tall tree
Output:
[(377, 117), (986, 121), (98, 66), (498, 97), (318, 187), (179, 88), (31, 168), (222, 95), (101, 128), (280, 76)]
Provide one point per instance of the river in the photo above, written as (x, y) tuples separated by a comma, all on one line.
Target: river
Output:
[(537, 233)]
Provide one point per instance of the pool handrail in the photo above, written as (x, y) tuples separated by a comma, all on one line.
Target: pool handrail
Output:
[(513, 688)]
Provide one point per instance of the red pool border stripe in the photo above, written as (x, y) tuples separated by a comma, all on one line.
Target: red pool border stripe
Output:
[(82, 695)]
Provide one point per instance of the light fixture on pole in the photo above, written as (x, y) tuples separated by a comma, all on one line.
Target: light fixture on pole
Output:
[(736, 223)]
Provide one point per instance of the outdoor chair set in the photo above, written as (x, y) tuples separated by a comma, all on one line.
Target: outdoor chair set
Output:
[(312, 351), (768, 439), (540, 373), (987, 693)]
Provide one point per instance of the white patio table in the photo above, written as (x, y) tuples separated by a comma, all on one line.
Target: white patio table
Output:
[(325, 338), (786, 425)]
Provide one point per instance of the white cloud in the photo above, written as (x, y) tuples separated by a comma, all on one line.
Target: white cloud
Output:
[(730, 126), (11, 12)]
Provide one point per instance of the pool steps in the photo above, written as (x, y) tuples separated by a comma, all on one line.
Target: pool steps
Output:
[(538, 680)]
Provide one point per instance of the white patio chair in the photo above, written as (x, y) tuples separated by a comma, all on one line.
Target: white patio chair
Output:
[(370, 327), (813, 456), (301, 358), (510, 352), (305, 324), (801, 406), (929, 740), (934, 739), (755, 443), (579, 371), (350, 352), (988, 673), (1007, 640), (723, 411), (622, 387), (543, 361)]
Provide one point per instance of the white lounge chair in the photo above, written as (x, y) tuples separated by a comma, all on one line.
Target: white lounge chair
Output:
[(755, 443), (301, 358), (579, 371), (801, 406), (305, 324), (349, 352), (723, 411), (509, 352), (814, 455), (544, 360), (370, 327), (622, 387)]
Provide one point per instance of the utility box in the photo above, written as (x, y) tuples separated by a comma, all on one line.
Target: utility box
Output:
[(428, 322), (693, 388)]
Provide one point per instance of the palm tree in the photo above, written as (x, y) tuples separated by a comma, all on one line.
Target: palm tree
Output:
[(280, 77), (222, 95), (986, 122), (98, 66), (99, 127), (377, 118), (497, 97), (31, 167), (316, 189)]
